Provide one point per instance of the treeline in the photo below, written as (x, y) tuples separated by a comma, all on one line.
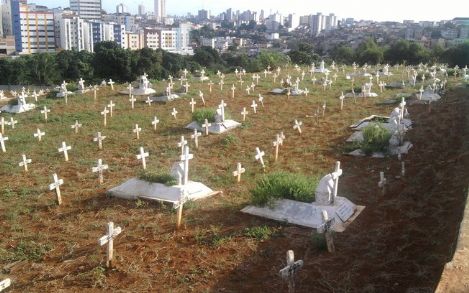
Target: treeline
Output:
[(111, 61)]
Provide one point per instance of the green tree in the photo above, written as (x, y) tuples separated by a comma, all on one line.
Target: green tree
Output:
[(457, 55), (369, 52), (342, 54), (111, 61)]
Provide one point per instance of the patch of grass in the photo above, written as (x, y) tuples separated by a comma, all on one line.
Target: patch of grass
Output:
[(25, 250), (201, 114), (212, 236), (283, 185), (319, 241), (157, 177), (259, 232), (375, 138), (229, 140)]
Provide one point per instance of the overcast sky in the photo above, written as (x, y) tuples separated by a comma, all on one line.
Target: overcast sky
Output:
[(396, 10)]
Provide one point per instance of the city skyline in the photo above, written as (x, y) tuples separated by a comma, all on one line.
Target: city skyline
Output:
[(399, 10)]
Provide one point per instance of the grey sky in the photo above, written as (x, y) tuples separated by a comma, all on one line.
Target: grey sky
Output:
[(364, 9)]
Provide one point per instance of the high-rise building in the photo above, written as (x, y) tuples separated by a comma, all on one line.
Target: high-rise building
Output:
[(141, 10), (87, 9), (160, 10), (317, 24), (203, 15), (33, 28), (1, 20), (121, 8), (6, 18)]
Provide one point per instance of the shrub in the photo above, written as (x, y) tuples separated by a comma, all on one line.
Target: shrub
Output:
[(158, 177), (283, 185), (375, 138), (201, 114)]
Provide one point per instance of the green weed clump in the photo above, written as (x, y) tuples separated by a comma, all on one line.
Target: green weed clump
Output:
[(25, 250), (375, 138), (259, 232), (201, 114), (283, 185), (157, 177)]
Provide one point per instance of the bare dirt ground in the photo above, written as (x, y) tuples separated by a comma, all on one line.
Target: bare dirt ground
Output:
[(399, 243)]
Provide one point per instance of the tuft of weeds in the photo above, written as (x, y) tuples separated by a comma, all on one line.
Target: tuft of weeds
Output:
[(157, 177), (230, 139), (259, 232), (25, 250), (375, 138), (201, 114)]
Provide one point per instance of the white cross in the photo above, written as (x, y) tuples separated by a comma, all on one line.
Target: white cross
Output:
[(239, 170), (248, 90), (76, 126), (5, 284), (2, 142), (185, 72), (254, 106), (261, 100), (182, 143), (64, 149), (233, 88), (3, 122), (382, 181), (137, 130), (149, 101), (195, 137), (323, 108), (132, 101), (155, 122), (39, 134), (99, 169), (259, 157), (342, 97), (95, 89), (109, 239), (56, 186), (244, 113), (130, 88), (98, 138), (277, 142), (206, 125), (186, 86), (111, 106), (13, 122), (222, 110), (104, 113), (192, 103), (335, 175), (288, 272), (24, 162), (141, 156), (221, 85), (35, 95), (185, 158), (110, 82), (297, 125), (174, 113), (306, 92)]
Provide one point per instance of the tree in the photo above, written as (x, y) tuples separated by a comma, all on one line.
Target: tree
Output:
[(43, 69), (342, 54), (458, 55), (111, 61), (407, 52), (369, 52)]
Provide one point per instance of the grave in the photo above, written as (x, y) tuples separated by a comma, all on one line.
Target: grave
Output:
[(167, 96), (220, 124), (63, 92), (81, 87), (21, 105), (137, 188), (311, 214), (144, 88)]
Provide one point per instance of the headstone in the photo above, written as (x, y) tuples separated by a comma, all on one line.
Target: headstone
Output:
[(142, 156), (109, 240), (239, 170), (99, 139), (56, 185), (64, 149), (326, 191), (99, 169)]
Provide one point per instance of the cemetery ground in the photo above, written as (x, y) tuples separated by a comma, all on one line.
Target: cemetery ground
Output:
[(399, 243)]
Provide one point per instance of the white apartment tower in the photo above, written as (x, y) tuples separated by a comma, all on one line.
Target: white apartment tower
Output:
[(160, 10), (87, 9)]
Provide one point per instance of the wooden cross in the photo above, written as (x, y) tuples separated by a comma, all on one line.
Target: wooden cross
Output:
[(137, 130), (35, 95), (5, 284), (174, 113), (185, 157), (24, 162), (13, 122), (64, 149), (306, 92), (99, 169), (244, 113), (297, 126), (282, 137), (195, 137), (328, 231), (186, 86), (335, 175), (149, 101), (45, 111), (104, 113), (233, 88), (111, 106), (3, 123), (95, 89), (206, 125), (182, 199), (155, 122), (254, 106), (261, 100), (288, 272), (259, 157), (341, 98), (182, 143), (132, 101), (109, 239), (239, 170), (277, 142), (56, 186), (222, 110), (210, 84), (111, 83), (130, 88), (221, 85), (248, 90), (99, 138), (192, 103), (141, 156), (323, 108), (2, 142), (39, 134), (66, 97), (76, 126), (382, 182)]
